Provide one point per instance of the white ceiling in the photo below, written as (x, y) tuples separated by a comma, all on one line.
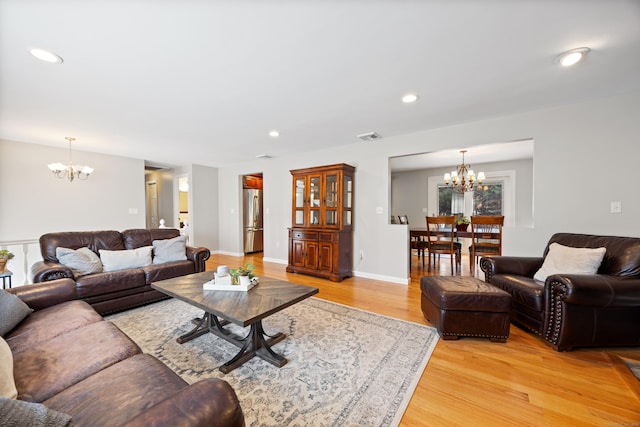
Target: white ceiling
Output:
[(179, 82)]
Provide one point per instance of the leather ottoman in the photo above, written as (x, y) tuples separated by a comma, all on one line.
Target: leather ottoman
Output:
[(465, 307)]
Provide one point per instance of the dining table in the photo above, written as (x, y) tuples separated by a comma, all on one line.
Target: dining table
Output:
[(415, 232)]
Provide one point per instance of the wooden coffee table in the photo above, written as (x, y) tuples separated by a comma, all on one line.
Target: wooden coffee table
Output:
[(237, 307)]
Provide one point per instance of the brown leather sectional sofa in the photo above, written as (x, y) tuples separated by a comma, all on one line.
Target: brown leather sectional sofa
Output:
[(575, 310), (113, 291), (67, 357)]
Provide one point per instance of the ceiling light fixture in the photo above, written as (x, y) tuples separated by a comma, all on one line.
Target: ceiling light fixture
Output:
[(572, 57), (46, 56), (274, 133), (463, 179), (409, 98), (70, 171)]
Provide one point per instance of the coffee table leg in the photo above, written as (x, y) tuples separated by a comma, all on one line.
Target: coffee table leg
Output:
[(256, 345), (201, 328), (210, 323)]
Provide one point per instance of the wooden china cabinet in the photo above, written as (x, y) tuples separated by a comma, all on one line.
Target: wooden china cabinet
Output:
[(321, 236)]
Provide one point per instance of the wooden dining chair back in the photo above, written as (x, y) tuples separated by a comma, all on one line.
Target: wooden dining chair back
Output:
[(394, 220), (403, 219), (441, 239), (486, 237)]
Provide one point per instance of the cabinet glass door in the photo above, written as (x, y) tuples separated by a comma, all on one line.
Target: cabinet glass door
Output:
[(331, 200), (314, 200), (298, 216), (347, 200)]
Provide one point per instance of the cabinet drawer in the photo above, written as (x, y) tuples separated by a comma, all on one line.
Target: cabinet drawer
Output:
[(304, 235), (328, 237)]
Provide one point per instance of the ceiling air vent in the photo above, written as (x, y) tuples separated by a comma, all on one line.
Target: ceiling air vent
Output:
[(371, 136)]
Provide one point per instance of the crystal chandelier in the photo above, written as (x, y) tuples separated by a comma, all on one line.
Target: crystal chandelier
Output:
[(70, 171), (463, 179)]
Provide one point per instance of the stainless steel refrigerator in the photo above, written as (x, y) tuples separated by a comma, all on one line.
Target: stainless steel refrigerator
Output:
[(252, 220)]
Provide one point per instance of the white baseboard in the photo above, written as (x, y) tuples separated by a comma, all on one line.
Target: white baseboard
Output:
[(275, 260), (382, 278)]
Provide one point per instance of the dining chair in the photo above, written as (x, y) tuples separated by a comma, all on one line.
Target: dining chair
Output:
[(403, 219), (441, 239), (486, 237), (394, 219)]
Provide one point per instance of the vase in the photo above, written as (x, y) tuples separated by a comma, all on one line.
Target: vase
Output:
[(462, 227), (3, 264), (244, 280)]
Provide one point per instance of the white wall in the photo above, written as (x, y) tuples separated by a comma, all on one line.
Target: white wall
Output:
[(585, 157), (203, 206), (33, 201)]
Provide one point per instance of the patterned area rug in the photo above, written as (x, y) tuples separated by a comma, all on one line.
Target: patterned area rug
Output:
[(347, 367)]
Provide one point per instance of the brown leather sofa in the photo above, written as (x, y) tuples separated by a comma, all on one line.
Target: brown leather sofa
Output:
[(570, 310), (113, 291), (71, 360)]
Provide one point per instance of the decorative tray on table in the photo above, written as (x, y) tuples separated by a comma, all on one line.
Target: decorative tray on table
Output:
[(223, 283)]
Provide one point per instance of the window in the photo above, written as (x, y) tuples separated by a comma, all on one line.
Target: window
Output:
[(498, 198), (449, 202), (488, 199)]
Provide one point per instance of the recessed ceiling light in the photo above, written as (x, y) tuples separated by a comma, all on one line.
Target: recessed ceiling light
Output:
[(409, 98), (45, 55), (572, 57), (274, 133)]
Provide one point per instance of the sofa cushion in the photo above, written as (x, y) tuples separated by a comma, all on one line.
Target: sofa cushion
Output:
[(621, 259), (133, 385), (138, 237), (562, 259), (16, 413), (94, 240), (525, 291), (56, 364), (50, 322), (169, 270), (12, 311), (106, 283), (129, 258), (82, 261), (168, 250), (7, 383)]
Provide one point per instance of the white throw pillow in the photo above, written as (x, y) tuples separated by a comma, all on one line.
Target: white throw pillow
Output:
[(567, 260), (7, 383), (121, 260), (82, 261), (168, 250)]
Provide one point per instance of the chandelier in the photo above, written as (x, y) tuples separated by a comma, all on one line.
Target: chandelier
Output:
[(463, 179), (70, 171)]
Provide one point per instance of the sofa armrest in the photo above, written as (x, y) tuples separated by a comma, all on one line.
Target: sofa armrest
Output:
[(521, 266), (209, 402), (595, 290), (199, 256), (47, 294), (43, 271)]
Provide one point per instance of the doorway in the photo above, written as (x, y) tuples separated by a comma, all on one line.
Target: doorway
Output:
[(152, 204), (252, 213)]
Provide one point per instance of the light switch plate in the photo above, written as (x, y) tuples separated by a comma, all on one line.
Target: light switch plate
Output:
[(616, 207)]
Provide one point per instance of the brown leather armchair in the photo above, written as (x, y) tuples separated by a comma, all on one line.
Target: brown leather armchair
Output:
[(571, 310)]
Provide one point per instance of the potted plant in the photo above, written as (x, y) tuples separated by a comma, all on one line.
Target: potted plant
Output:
[(462, 222), (242, 275), (5, 255)]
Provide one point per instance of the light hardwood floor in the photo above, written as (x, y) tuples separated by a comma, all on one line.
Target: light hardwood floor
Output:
[(474, 382)]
